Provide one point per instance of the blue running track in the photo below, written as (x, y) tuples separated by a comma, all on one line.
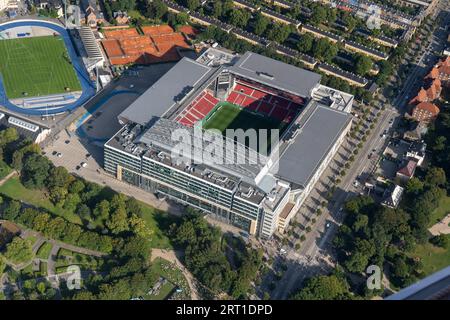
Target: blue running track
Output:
[(86, 85)]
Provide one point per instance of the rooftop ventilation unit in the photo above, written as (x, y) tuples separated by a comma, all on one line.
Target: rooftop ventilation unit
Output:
[(265, 75)]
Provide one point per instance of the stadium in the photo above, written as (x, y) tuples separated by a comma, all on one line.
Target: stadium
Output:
[(40, 71), (220, 90)]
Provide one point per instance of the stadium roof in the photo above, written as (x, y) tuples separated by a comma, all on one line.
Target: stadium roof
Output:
[(276, 74), (170, 89), (321, 128)]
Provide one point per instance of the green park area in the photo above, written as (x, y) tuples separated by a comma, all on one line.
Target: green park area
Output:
[(65, 258), (44, 251), (441, 211), (4, 169), (156, 220), (433, 258), (14, 189)]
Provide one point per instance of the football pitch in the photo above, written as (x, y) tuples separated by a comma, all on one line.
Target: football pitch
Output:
[(36, 66), (230, 116)]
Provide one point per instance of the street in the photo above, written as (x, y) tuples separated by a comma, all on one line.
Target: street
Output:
[(313, 257)]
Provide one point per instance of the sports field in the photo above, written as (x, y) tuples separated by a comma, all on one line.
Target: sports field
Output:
[(36, 66), (230, 116)]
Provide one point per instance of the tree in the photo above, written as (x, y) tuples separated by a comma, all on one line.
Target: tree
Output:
[(400, 268), (118, 221), (17, 160), (2, 264), (363, 64), (239, 17), (58, 177), (279, 32), (217, 9), (58, 195), (7, 136), (440, 241), (40, 223), (323, 288), (12, 210), (71, 202), (306, 43), (435, 177), (101, 210), (357, 262), (439, 143), (325, 50), (139, 227), (192, 4), (331, 16), (414, 186), (260, 24), (35, 171), (133, 207), (360, 222), (76, 186), (55, 228), (156, 9), (18, 251), (182, 18), (350, 22), (319, 14), (84, 212)]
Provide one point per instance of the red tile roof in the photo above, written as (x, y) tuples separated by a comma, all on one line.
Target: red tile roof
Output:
[(409, 169), (428, 106)]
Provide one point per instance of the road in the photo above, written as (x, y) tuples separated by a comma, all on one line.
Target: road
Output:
[(309, 260)]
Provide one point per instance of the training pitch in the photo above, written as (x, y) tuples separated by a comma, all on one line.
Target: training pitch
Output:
[(36, 66)]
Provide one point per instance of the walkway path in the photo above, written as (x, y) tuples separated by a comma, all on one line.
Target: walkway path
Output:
[(442, 227), (7, 177), (56, 245), (171, 256)]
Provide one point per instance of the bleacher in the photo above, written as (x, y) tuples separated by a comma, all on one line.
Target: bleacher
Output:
[(198, 109), (255, 97), (266, 101)]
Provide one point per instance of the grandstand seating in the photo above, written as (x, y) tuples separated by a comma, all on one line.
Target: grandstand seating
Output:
[(257, 98), (266, 101), (198, 109)]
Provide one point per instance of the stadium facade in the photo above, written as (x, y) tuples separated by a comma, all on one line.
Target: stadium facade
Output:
[(257, 197)]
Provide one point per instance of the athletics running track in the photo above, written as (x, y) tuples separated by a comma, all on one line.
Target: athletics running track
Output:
[(86, 85)]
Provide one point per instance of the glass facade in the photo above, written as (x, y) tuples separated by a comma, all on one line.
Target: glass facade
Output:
[(155, 177)]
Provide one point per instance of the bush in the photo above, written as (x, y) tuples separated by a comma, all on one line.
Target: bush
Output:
[(440, 241)]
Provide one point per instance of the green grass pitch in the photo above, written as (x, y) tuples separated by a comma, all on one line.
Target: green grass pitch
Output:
[(230, 116), (36, 66)]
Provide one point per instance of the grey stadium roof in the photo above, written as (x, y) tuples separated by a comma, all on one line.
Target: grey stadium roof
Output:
[(276, 74), (170, 89), (319, 133)]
